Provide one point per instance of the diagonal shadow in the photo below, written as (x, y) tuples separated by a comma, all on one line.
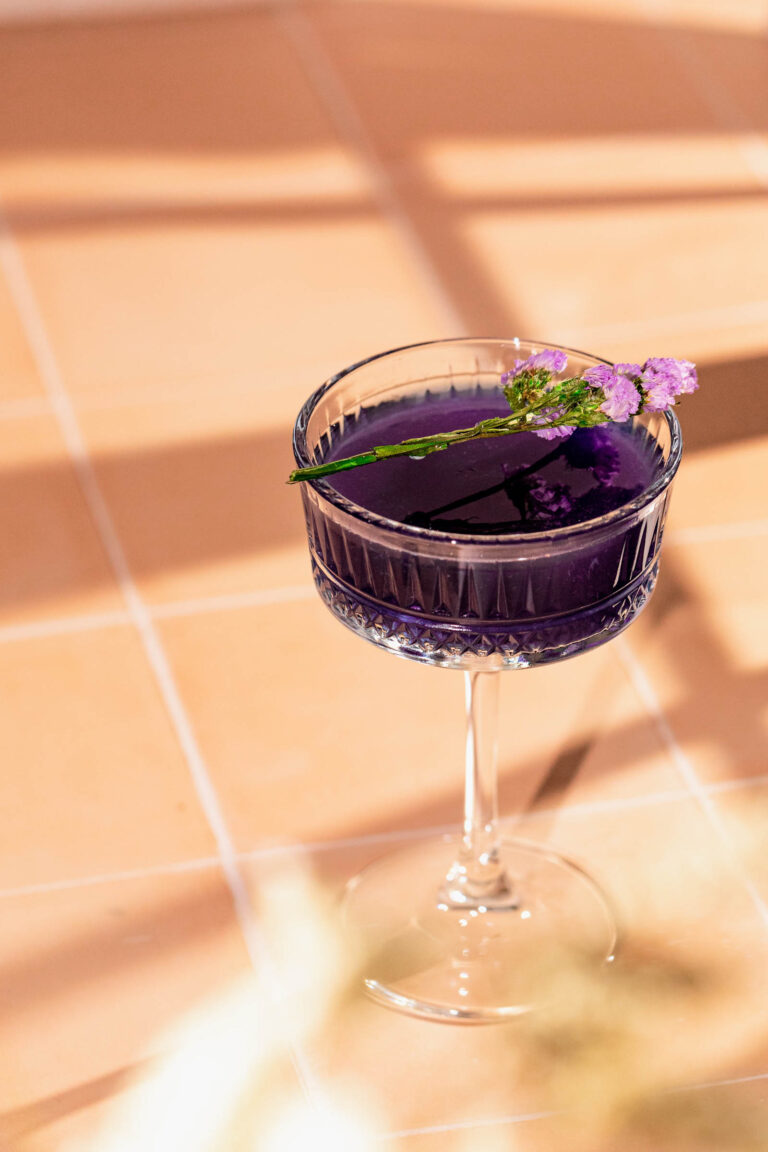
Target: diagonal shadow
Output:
[(60, 215), (22, 1121), (184, 505), (191, 83), (201, 85)]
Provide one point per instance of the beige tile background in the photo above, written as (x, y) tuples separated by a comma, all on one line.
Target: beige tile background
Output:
[(205, 214)]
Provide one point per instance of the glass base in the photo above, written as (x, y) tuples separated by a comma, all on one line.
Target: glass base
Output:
[(465, 964)]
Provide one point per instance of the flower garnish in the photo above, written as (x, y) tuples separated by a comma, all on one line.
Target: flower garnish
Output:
[(548, 407)]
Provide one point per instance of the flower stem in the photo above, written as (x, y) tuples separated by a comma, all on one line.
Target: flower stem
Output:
[(425, 445)]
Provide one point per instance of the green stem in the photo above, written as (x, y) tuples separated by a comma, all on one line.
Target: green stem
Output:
[(564, 396)]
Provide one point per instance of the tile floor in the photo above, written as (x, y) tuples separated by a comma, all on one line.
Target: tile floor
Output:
[(204, 214)]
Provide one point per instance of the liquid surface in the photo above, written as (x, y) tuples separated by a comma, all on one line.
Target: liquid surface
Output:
[(518, 483)]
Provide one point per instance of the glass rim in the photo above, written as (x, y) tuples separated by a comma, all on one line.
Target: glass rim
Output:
[(325, 489)]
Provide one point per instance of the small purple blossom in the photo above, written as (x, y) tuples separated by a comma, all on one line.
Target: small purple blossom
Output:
[(622, 398), (664, 378), (599, 375), (555, 433), (632, 370), (545, 417), (548, 360)]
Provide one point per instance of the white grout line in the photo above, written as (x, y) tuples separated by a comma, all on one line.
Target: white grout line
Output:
[(35, 629), (42, 351), (507, 825), (231, 601), (727, 316), (735, 785), (341, 109), (200, 606), (725, 1083), (684, 766), (201, 864), (726, 110), (532, 1117), (397, 836), (465, 1125)]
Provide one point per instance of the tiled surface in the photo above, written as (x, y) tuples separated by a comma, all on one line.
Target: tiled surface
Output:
[(53, 561), (207, 214), (95, 780), (95, 980), (372, 763)]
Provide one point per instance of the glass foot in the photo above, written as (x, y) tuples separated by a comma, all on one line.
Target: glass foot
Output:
[(465, 963)]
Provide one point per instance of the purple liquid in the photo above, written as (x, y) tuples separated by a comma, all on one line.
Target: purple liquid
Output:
[(522, 483), (504, 593)]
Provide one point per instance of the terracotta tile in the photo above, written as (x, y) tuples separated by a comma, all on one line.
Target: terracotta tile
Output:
[(18, 375), (223, 304), (703, 646), (731, 1112), (742, 15), (285, 701), (729, 68), (95, 980), (53, 562), (216, 229), (198, 495), (719, 487), (721, 335), (495, 169), (514, 172), (668, 879), (105, 756), (450, 78), (193, 108), (705, 236), (745, 813)]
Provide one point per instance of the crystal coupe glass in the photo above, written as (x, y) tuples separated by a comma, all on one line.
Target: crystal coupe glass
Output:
[(456, 925)]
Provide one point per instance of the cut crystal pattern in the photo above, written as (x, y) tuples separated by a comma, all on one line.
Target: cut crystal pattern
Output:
[(475, 643)]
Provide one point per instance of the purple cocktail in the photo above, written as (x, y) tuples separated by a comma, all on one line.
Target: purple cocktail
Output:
[(496, 553), (513, 550)]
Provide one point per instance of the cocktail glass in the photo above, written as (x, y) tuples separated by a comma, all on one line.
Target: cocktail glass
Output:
[(456, 925)]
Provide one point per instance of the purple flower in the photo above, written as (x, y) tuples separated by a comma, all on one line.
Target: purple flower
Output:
[(664, 378), (544, 417), (622, 398), (555, 433), (689, 379), (548, 360), (599, 375), (632, 370)]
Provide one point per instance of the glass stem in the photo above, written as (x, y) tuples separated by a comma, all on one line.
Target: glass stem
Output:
[(477, 877)]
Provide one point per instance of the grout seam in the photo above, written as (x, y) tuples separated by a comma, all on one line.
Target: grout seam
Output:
[(687, 772), (727, 316), (340, 107), (42, 351), (532, 1117), (397, 836), (464, 1125), (726, 110), (711, 533), (200, 864), (179, 608)]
